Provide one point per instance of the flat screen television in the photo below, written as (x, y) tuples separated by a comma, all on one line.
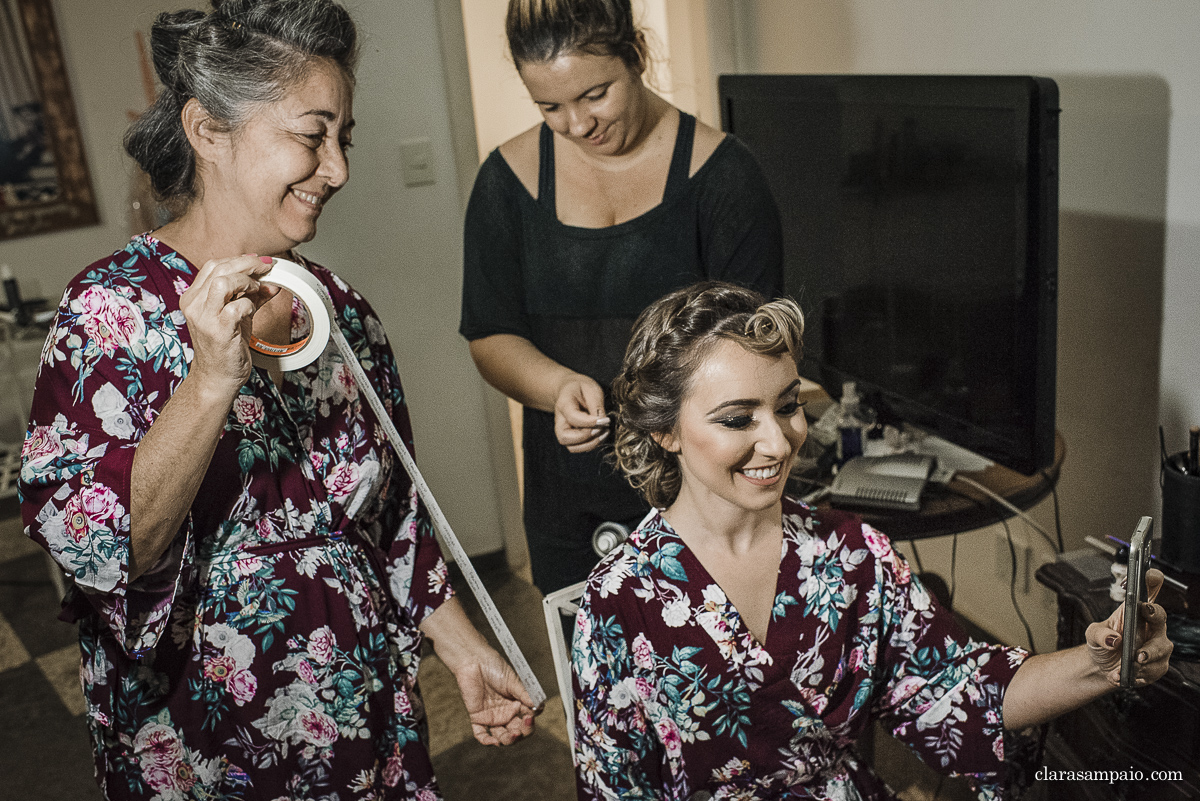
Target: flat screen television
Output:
[(920, 225)]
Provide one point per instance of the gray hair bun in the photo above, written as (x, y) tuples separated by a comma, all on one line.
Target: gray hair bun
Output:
[(241, 55)]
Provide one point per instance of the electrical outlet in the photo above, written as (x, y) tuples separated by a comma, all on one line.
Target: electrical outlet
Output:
[(1004, 563)]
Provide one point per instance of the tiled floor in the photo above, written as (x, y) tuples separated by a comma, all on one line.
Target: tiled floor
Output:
[(44, 750)]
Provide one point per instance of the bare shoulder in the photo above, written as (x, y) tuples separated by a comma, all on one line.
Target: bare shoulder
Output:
[(706, 142), (521, 154)]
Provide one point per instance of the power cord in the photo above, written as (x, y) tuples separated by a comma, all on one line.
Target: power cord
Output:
[(917, 558), (1012, 585), (1058, 547), (953, 561), (1057, 517)]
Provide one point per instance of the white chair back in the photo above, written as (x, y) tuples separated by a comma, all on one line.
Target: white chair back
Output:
[(557, 605)]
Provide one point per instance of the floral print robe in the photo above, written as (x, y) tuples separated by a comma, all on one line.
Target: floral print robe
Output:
[(676, 699), (272, 651)]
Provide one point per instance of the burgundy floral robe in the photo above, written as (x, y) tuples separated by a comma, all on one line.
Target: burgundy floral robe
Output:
[(272, 652), (676, 698)]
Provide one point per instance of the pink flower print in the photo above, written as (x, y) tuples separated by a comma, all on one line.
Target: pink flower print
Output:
[(305, 671), (342, 480), (998, 748), (321, 644), (162, 778), (249, 409), (878, 543), (319, 727), (403, 703), (644, 688), (42, 445), (160, 745), (110, 320), (75, 520), (248, 566), (856, 658), (299, 320), (180, 286), (219, 668), (264, 528), (99, 502), (343, 379), (243, 686), (392, 771), (315, 459), (343, 441), (643, 654), (668, 735), (425, 794)]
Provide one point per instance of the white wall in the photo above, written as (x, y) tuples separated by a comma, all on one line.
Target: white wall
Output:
[(401, 247), (1130, 200)]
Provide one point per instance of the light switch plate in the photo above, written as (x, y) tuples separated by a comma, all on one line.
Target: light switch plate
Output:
[(416, 162)]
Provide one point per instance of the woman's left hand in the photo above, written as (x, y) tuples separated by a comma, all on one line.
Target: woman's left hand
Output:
[(501, 710), (1153, 647)]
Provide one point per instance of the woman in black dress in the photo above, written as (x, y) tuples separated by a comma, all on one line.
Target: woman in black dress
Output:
[(574, 227)]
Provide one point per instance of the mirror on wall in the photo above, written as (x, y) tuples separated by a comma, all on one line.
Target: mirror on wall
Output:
[(44, 184)]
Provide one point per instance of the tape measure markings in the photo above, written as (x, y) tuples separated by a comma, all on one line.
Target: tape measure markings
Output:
[(314, 295)]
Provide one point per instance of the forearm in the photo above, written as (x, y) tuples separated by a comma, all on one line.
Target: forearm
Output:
[(168, 467), (455, 639), (515, 366), (1049, 685)]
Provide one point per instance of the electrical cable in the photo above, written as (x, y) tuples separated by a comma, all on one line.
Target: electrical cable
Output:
[(1012, 585), (953, 561), (917, 557), (1057, 516), (1009, 506)]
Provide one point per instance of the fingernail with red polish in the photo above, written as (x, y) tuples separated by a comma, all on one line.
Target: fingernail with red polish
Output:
[(266, 259), (1111, 640)]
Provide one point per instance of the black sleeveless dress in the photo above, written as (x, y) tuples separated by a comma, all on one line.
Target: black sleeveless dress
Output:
[(575, 292)]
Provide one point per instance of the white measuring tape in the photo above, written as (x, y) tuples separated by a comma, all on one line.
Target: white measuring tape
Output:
[(312, 293)]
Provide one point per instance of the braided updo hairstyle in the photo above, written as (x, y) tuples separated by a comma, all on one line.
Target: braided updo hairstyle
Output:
[(234, 59), (671, 338)]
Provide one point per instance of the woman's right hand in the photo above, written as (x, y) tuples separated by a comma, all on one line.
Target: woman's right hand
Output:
[(580, 422), (218, 307)]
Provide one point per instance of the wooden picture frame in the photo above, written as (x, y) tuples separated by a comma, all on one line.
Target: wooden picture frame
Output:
[(44, 182)]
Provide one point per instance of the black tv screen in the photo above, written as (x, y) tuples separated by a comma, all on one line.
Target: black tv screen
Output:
[(920, 223)]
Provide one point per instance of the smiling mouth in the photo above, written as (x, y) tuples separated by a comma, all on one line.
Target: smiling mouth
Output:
[(316, 201), (763, 473)]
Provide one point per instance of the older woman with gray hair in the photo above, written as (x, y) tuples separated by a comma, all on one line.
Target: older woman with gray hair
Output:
[(252, 574)]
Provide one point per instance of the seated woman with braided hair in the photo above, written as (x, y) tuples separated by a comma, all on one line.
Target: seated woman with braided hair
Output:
[(740, 642), (252, 574)]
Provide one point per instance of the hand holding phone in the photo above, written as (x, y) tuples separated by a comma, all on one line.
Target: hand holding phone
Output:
[(1135, 596)]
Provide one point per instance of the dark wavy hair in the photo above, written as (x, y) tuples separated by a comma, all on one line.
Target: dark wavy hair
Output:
[(671, 338), (233, 59), (542, 30)]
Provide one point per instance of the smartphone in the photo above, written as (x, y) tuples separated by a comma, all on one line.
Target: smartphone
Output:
[(1135, 595)]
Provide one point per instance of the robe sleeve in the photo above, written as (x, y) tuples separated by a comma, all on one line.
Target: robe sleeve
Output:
[(617, 755), (112, 359), (942, 692)]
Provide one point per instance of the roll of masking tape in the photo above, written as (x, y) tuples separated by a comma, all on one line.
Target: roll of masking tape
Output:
[(304, 285)]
